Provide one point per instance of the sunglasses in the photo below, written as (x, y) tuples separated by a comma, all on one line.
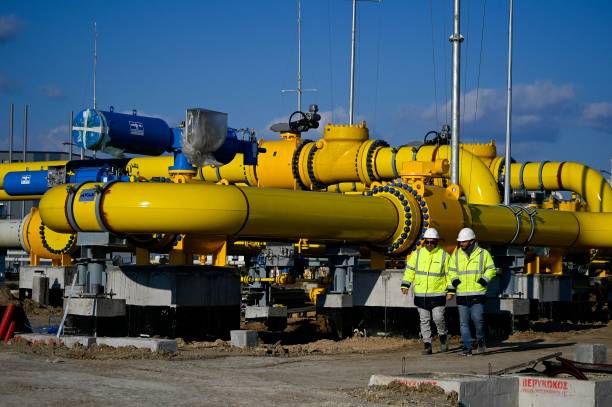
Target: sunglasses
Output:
[(428, 242)]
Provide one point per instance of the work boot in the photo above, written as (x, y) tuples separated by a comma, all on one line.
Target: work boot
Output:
[(466, 352), (443, 343), (481, 347), (427, 349)]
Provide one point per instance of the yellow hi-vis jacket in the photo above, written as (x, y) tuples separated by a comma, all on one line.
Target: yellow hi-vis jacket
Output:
[(470, 269), (427, 270)]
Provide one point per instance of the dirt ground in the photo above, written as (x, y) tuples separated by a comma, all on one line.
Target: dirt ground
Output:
[(321, 373), (281, 371)]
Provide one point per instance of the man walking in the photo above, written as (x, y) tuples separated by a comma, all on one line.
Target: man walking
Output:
[(426, 269), (470, 270)]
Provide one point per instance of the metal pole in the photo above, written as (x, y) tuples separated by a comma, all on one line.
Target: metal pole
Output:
[(10, 152), (352, 86), (456, 40), (508, 111), (95, 61), (25, 147), (299, 84), (70, 136)]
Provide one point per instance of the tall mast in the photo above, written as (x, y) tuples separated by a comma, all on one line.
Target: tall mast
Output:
[(508, 111), (299, 90), (352, 85), (95, 61), (456, 40)]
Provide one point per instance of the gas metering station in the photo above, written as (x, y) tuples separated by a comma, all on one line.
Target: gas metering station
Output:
[(143, 245)]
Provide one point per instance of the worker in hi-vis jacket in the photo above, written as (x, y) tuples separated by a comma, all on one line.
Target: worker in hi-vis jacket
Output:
[(426, 272), (470, 271)]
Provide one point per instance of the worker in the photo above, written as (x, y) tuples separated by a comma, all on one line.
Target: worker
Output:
[(427, 270), (470, 271)]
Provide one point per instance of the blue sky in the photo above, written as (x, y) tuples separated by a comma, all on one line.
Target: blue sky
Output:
[(235, 56)]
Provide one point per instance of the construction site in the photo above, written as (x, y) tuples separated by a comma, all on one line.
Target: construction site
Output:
[(202, 264)]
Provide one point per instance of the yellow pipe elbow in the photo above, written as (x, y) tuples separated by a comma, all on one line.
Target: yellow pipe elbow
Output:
[(564, 176), (475, 179)]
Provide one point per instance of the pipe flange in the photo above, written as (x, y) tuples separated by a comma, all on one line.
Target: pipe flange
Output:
[(540, 177), (45, 244), (72, 190), (369, 162), (310, 167), (521, 173), (98, 205), (424, 209), (394, 162), (408, 207), (295, 164)]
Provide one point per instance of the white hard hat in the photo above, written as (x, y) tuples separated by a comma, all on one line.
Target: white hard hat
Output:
[(466, 234), (431, 233)]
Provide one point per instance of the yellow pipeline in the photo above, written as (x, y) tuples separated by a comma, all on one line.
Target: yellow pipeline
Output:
[(542, 227), (564, 176), (220, 211)]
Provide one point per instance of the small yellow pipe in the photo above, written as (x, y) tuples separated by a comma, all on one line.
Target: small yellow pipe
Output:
[(564, 176), (475, 179)]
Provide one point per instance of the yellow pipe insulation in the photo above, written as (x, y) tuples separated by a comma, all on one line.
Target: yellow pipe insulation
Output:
[(564, 176), (219, 210), (258, 213)]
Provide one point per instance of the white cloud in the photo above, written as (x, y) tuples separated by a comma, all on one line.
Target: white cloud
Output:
[(539, 110), (598, 115)]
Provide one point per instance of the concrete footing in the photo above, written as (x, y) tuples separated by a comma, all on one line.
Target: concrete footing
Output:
[(40, 289), (244, 338), (518, 391), (153, 345), (257, 312), (68, 341), (473, 391), (556, 392), (591, 353)]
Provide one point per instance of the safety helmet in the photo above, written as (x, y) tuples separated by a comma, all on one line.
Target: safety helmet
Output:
[(466, 234), (431, 233)]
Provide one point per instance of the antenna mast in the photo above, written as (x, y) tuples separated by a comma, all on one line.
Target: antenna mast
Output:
[(455, 40), (299, 89), (95, 61)]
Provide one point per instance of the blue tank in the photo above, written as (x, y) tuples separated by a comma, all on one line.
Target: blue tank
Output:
[(19, 183), (118, 133)]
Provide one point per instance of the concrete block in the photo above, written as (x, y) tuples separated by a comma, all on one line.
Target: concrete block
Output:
[(335, 301), (40, 289), (473, 391), (556, 392), (174, 286), (244, 338), (59, 276), (256, 312), (516, 306), (37, 338), (152, 344), (591, 353), (68, 341), (100, 307)]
